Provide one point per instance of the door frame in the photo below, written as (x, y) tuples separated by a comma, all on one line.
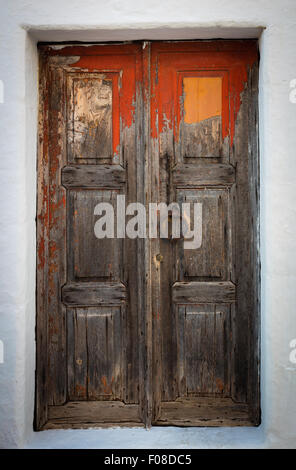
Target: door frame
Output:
[(147, 248)]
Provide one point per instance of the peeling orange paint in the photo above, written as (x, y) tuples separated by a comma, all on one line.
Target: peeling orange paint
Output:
[(41, 253), (52, 248), (220, 385), (107, 388), (170, 62), (80, 390), (117, 63)]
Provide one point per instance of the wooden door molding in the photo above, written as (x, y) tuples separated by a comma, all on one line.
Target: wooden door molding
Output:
[(144, 308)]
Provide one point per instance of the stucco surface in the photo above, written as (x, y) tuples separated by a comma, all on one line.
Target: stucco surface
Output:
[(23, 22)]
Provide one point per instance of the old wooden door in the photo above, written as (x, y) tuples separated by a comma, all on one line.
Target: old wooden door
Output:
[(143, 331), (205, 300), (89, 312)]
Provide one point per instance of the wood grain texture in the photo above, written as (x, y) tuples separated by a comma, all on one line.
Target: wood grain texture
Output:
[(204, 411), (203, 175), (91, 293), (211, 260), (91, 258), (204, 349), (95, 362), (56, 259), (91, 129), (202, 139), (41, 386), (246, 248), (89, 414), (93, 117), (93, 176), (197, 292), (147, 301)]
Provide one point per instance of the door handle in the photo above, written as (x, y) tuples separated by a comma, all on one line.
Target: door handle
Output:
[(159, 258)]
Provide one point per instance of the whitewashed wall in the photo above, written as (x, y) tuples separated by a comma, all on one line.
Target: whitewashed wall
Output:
[(23, 22)]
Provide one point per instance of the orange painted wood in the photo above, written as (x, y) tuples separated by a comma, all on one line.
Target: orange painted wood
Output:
[(228, 59)]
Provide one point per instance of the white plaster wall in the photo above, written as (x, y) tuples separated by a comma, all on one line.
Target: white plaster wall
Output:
[(23, 22)]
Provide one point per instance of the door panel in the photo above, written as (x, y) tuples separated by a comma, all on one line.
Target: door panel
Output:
[(210, 261), (203, 97), (95, 362), (202, 105), (87, 292), (89, 258), (204, 348)]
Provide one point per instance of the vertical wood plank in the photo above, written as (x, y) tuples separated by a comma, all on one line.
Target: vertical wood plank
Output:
[(41, 385), (57, 238)]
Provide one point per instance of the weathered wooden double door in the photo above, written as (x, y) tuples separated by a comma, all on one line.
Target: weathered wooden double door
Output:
[(141, 331)]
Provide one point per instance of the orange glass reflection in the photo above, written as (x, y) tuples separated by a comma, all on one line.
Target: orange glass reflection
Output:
[(202, 98)]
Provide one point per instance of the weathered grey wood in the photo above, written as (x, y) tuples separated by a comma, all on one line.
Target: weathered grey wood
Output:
[(247, 269), (204, 339), (202, 139), (130, 268), (204, 411), (210, 261), (86, 413), (77, 354), (79, 424), (254, 183), (166, 317), (142, 117), (189, 175), (91, 258), (95, 360), (89, 118), (155, 272), (180, 312), (104, 347), (90, 293), (93, 176), (41, 396), (203, 292), (56, 260), (147, 321)]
